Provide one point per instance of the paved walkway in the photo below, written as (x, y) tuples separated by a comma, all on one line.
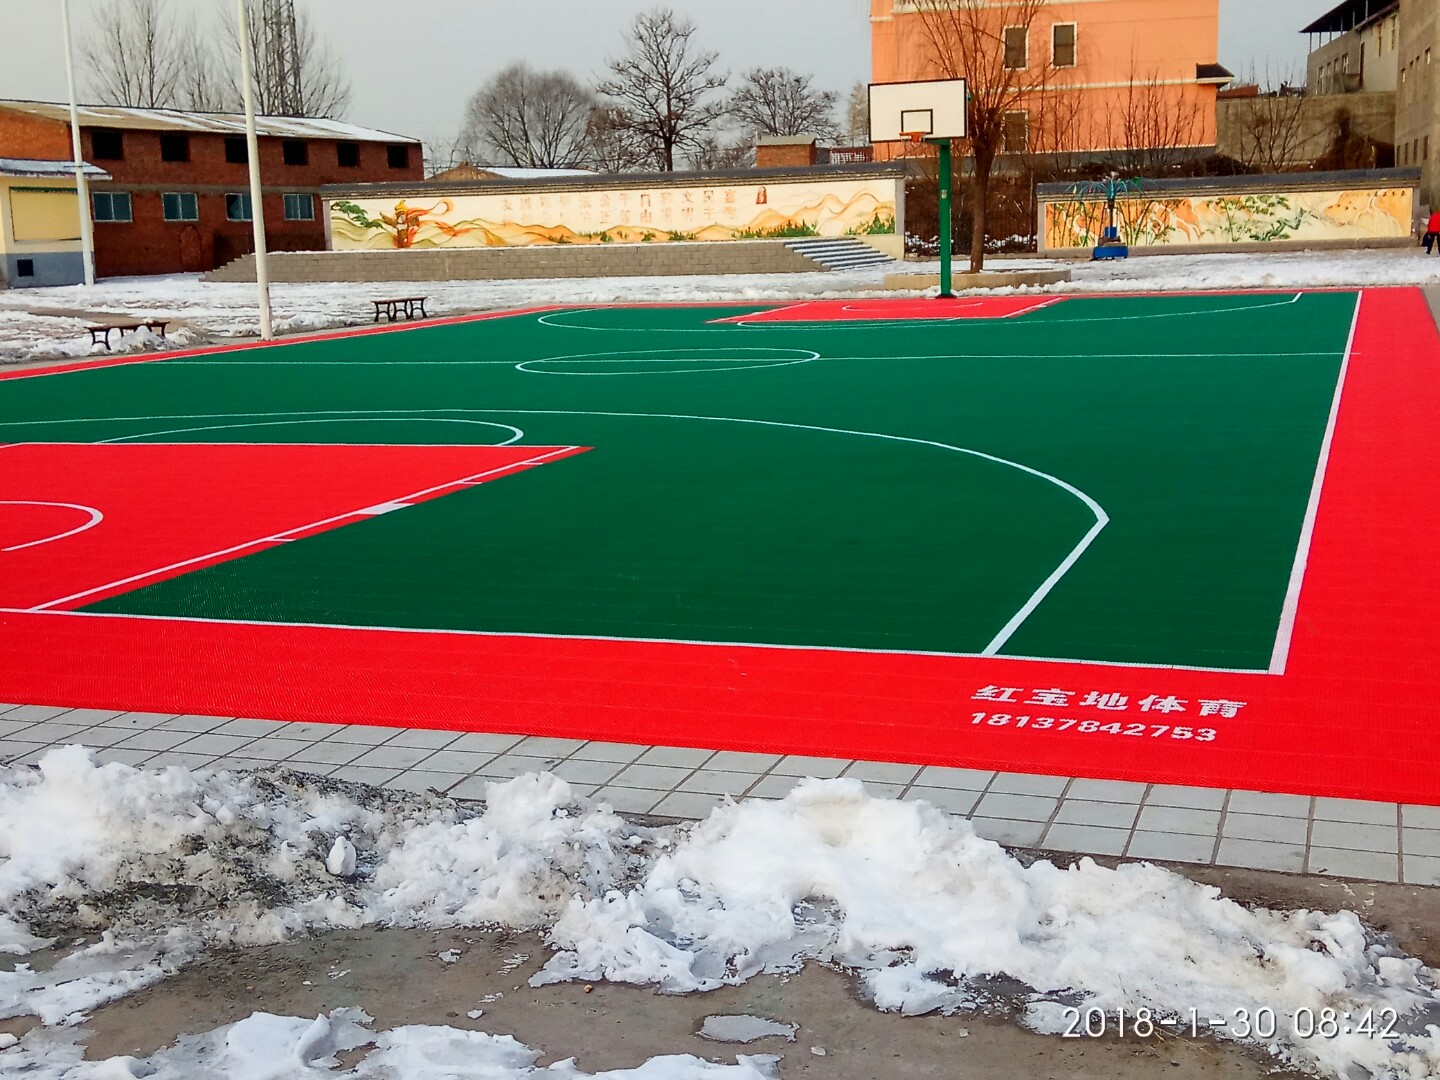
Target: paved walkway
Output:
[(1205, 826)]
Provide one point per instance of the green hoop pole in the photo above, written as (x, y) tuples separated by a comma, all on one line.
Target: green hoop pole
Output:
[(946, 255)]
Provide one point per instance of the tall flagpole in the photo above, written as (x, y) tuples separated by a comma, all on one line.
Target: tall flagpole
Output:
[(257, 201), (82, 185)]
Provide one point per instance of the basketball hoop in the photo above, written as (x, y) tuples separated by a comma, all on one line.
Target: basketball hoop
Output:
[(916, 137)]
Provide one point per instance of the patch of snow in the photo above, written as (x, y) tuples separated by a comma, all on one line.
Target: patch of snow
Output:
[(744, 1029), (341, 860), (449, 956), (928, 915)]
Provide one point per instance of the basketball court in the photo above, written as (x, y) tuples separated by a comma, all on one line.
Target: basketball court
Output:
[(1177, 539)]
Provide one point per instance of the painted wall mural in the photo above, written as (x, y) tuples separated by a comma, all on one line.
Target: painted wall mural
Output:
[(1155, 220), (620, 215)]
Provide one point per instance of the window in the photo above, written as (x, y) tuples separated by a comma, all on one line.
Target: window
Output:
[(236, 152), (1017, 48), (1062, 45), (174, 147), (24, 267), (181, 206), (1016, 136), (1425, 149), (398, 156), (112, 206), (237, 207), (107, 145), (299, 207), (295, 152), (347, 155)]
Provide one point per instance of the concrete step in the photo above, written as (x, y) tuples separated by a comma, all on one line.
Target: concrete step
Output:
[(839, 253)]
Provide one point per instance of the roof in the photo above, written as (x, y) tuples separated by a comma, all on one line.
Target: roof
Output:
[(787, 140), (1218, 74), (26, 167), (1350, 15), (279, 127)]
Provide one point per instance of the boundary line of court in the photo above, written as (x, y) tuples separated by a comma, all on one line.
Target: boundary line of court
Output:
[(1290, 609), (95, 518)]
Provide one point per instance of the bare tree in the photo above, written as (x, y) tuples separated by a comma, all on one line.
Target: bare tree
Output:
[(857, 114), (613, 146), (1155, 128), (778, 101), (133, 55), (200, 86), (1270, 129), (531, 119), (296, 71), (987, 42), (713, 152), (663, 87)]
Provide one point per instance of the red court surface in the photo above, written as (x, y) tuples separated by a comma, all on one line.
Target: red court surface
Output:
[(1352, 709), (961, 307)]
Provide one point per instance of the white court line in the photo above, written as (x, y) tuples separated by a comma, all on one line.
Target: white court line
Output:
[(1288, 611), (516, 433), (95, 518), (279, 537), (848, 649)]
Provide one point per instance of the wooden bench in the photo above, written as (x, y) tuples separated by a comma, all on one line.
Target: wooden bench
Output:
[(401, 307), (100, 335)]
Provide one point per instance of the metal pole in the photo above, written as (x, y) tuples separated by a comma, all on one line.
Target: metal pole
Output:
[(82, 185), (257, 199), (946, 178)]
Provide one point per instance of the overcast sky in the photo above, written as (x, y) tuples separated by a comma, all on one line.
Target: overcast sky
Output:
[(413, 68)]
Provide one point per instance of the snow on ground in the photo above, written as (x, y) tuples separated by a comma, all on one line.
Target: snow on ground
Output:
[(161, 864), (221, 311)]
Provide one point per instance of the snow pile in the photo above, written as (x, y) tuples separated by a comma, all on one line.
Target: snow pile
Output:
[(929, 915), (268, 1047)]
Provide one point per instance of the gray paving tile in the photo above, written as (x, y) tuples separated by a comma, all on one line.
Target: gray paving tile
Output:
[(629, 800), (1368, 813), (1371, 865), (483, 742), (138, 720), (688, 804), (542, 746), (369, 734), (965, 779), (1421, 870), (1016, 807), (167, 758), (1355, 837), (715, 782), (1013, 833), (1091, 839), (510, 766), (587, 770), (254, 729), (425, 738), (609, 751), (1422, 842), (419, 781), (1261, 855), (13, 749), (797, 765), (210, 743), (1180, 819), (156, 740), (774, 786), (1266, 827), (90, 716), (1110, 815), (1171, 847), (456, 761), (6, 706), (324, 753), (13, 727), (1265, 802), (102, 736), (660, 777), (305, 731), (1119, 791), (276, 749), (197, 724), (392, 757), (951, 800), (1422, 817), (238, 763), (1028, 784), (877, 790), (30, 757), (474, 787), (53, 731), (35, 713), (119, 754), (740, 761), (679, 756), (365, 774), (883, 772), (1192, 798)]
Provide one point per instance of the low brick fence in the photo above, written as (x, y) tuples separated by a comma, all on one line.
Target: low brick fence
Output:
[(558, 261)]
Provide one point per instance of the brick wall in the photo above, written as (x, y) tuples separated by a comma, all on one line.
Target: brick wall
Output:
[(785, 155), (25, 136)]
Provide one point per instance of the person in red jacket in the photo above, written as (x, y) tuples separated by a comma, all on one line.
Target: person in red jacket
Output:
[(1432, 232)]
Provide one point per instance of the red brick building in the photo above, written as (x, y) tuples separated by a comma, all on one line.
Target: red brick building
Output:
[(178, 197)]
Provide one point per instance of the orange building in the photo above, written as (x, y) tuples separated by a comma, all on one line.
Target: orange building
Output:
[(1099, 75)]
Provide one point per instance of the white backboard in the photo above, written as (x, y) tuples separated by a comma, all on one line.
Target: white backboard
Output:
[(936, 108)]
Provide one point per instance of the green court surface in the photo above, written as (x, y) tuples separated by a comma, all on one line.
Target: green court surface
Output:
[(1120, 480)]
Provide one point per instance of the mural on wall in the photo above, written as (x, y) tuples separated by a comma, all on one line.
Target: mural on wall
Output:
[(620, 215), (1154, 220)]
